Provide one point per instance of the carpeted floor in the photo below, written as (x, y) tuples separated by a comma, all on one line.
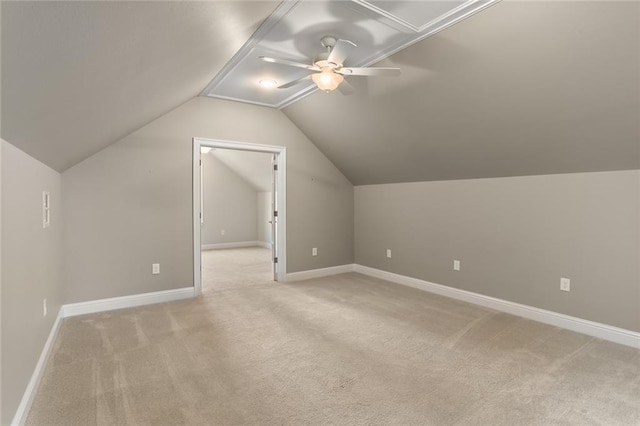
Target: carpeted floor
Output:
[(341, 350), (232, 268)]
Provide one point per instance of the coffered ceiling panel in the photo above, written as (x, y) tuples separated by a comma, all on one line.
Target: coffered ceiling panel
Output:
[(293, 32), (416, 15)]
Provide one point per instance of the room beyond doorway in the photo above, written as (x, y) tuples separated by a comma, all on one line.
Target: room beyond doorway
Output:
[(209, 217)]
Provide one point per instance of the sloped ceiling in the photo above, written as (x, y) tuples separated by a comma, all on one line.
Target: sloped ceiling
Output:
[(521, 88), (253, 167), (77, 76)]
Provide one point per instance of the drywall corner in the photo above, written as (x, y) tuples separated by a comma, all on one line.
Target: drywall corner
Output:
[(25, 283), (229, 204)]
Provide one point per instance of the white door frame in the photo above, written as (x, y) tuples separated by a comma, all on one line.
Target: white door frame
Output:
[(281, 187)]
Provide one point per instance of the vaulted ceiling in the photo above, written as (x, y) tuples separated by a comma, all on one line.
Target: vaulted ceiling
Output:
[(520, 88), (77, 76)]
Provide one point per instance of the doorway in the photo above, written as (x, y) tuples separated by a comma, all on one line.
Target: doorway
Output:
[(277, 202)]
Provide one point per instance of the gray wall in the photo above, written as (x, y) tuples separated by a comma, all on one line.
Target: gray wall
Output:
[(1, 142), (31, 259), (515, 238), (130, 205), (1, 381), (264, 216), (229, 203)]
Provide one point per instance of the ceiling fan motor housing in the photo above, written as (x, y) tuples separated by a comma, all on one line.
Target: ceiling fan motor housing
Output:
[(320, 60), (328, 41)]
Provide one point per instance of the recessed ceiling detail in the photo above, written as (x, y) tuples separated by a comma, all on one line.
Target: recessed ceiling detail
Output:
[(418, 16), (378, 28)]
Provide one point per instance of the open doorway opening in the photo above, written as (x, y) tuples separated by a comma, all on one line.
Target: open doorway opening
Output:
[(239, 212)]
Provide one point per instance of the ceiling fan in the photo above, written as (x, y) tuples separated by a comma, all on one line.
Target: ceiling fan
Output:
[(328, 67)]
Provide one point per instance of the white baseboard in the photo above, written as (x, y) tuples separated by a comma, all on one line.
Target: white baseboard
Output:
[(82, 308), (317, 273), (113, 303), (591, 328), (264, 244), (20, 416), (219, 246)]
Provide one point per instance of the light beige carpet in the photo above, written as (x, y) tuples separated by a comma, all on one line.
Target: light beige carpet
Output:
[(232, 268), (342, 350)]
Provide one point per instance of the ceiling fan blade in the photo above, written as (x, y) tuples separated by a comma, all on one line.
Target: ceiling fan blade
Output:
[(346, 89), (289, 63), (340, 51), (294, 82), (372, 71)]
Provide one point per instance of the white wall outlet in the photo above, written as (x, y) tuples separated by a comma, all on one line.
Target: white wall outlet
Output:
[(456, 265), (389, 253), (565, 284), (314, 251), (155, 268), (222, 232), (44, 307)]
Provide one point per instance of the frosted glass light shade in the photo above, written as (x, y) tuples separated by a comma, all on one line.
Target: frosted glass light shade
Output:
[(327, 80)]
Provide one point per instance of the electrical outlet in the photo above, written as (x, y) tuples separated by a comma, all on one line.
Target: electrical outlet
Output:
[(222, 232), (389, 253), (565, 284), (314, 251), (456, 265), (155, 268), (44, 307)]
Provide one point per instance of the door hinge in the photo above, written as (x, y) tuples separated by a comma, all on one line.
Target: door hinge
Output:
[(275, 167), (201, 162), (275, 214), (275, 260)]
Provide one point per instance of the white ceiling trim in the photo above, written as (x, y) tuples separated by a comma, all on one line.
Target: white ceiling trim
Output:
[(280, 12), (228, 72), (285, 31), (409, 25), (461, 13)]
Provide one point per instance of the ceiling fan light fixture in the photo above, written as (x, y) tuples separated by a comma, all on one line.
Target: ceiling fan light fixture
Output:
[(327, 80), (268, 84)]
